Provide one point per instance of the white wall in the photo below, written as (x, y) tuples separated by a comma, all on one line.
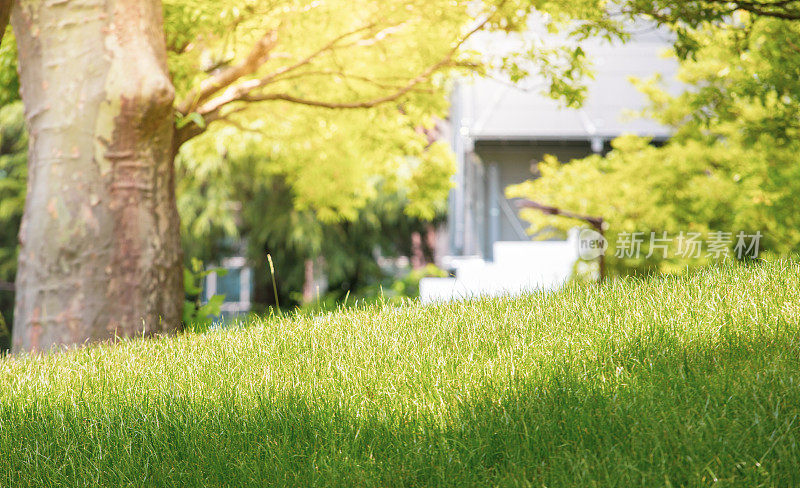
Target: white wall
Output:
[(518, 267)]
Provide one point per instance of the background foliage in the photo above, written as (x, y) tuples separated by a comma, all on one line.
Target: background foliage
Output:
[(13, 172), (731, 166)]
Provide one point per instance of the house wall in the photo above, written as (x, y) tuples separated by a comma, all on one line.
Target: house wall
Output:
[(495, 166)]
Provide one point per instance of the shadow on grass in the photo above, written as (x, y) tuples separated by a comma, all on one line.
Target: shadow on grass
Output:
[(721, 413)]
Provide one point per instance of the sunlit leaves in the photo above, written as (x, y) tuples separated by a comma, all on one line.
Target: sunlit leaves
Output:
[(732, 164), (349, 52), (9, 82)]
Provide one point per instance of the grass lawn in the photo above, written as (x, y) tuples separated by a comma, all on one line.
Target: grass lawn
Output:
[(691, 381)]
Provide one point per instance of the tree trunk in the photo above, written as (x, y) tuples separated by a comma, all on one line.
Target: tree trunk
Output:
[(100, 253), (5, 11)]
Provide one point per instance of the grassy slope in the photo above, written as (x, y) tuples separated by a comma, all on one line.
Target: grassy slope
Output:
[(670, 382)]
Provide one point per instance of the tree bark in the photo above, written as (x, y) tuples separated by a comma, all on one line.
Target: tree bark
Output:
[(100, 253), (5, 11)]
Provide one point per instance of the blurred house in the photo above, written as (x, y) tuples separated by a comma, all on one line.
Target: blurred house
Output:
[(499, 133)]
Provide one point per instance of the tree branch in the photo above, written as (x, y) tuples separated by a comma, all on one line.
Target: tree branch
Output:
[(366, 79), (212, 109), (347, 105), (236, 93), (190, 131), (308, 59), (596, 222), (246, 94), (780, 9), (258, 55), (778, 15)]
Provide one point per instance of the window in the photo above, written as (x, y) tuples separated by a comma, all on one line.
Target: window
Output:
[(236, 285)]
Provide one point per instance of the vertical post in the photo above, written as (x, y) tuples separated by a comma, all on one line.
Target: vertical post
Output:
[(211, 285), (494, 208), (308, 282), (456, 200), (245, 285), (417, 252)]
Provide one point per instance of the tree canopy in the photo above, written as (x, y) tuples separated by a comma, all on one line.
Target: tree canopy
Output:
[(731, 165), (339, 95)]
